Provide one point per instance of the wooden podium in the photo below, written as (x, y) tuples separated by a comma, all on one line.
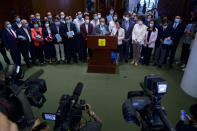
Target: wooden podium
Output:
[(102, 47)]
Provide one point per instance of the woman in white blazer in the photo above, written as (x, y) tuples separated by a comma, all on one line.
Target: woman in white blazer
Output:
[(138, 35), (120, 33), (149, 42)]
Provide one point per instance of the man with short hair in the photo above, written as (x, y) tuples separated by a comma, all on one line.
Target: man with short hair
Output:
[(25, 42), (31, 20), (177, 33), (17, 23), (95, 20), (71, 46), (62, 17), (10, 41), (86, 29), (58, 30), (40, 22), (101, 29), (50, 17), (78, 22)]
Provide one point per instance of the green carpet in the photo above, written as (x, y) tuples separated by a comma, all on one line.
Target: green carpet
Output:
[(107, 92)]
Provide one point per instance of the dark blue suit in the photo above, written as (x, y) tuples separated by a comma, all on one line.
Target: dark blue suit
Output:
[(128, 35), (25, 45), (11, 44), (61, 31), (15, 26), (3, 51), (177, 33), (48, 46)]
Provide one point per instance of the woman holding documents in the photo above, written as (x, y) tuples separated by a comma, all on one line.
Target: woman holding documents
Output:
[(48, 42), (36, 34), (149, 42)]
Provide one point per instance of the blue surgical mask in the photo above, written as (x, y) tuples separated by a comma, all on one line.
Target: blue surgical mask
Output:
[(57, 23), (115, 18), (9, 26), (151, 25), (38, 17), (27, 25), (18, 20), (33, 19), (177, 20), (50, 17), (68, 21), (111, 12), (62, 16), (95, 17), (140, 22), (165, 27), (46, 25), (36, 25), (80, 16), (148, 19), (132, 17)]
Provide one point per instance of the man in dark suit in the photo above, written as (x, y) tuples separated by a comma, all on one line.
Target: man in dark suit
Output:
[(178, 31), (25, 42), (86, 29), (31, 20), (58, 30), (3, 51), (17, 24), (71, 45), (164, 32), (101, 29), (40, 21), (9, 39), (127, 25)]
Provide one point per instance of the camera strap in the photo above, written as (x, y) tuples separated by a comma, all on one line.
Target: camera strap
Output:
[(6, 107)]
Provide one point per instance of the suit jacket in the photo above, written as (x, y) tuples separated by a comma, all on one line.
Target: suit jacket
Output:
[(178, 32), (72, 28), (46, 34), (128, 33), (15, 26), (8, 40), (120, 35), (84, 32), (34, 34), (97, 30), (21, 31), (62, 31), (162, 34), (152, 39)]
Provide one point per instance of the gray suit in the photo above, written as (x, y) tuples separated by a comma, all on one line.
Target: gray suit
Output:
[(128, 35), (97, 30)]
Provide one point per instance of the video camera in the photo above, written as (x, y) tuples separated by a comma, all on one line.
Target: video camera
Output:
[(17, 96), (69, 110), (148, 104)]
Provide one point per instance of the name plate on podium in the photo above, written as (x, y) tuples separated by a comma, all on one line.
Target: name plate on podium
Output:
[(101, 42)]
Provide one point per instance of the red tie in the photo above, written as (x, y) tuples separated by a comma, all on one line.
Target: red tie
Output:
[(12, 34)]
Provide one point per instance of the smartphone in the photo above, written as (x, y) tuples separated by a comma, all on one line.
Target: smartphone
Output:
[(49, 116), (183, 114)]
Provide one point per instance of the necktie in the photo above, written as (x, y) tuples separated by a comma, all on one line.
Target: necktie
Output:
[(175, 25), (12, 34), (117, 32), (127, 25)]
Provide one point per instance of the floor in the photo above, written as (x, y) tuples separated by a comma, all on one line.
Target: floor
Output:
[(107, 92)]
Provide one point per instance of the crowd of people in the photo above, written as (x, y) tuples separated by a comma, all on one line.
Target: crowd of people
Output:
[(59, 38)]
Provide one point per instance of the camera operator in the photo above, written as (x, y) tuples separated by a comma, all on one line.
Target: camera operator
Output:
[(192, 119), (89, 126), (7, 125)]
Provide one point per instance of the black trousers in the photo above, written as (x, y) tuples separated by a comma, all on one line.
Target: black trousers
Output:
[(32, 52), (147, 55), (24, 50), (39, 53), (185, 53), (16, 57), (131, 50), (173, 52), (49, 50), (71, 49), (4, 54)]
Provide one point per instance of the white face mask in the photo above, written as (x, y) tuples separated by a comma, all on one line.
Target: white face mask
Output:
[(140, 22), (47, 25), (87, 21), (99, 16), (126, 18)]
